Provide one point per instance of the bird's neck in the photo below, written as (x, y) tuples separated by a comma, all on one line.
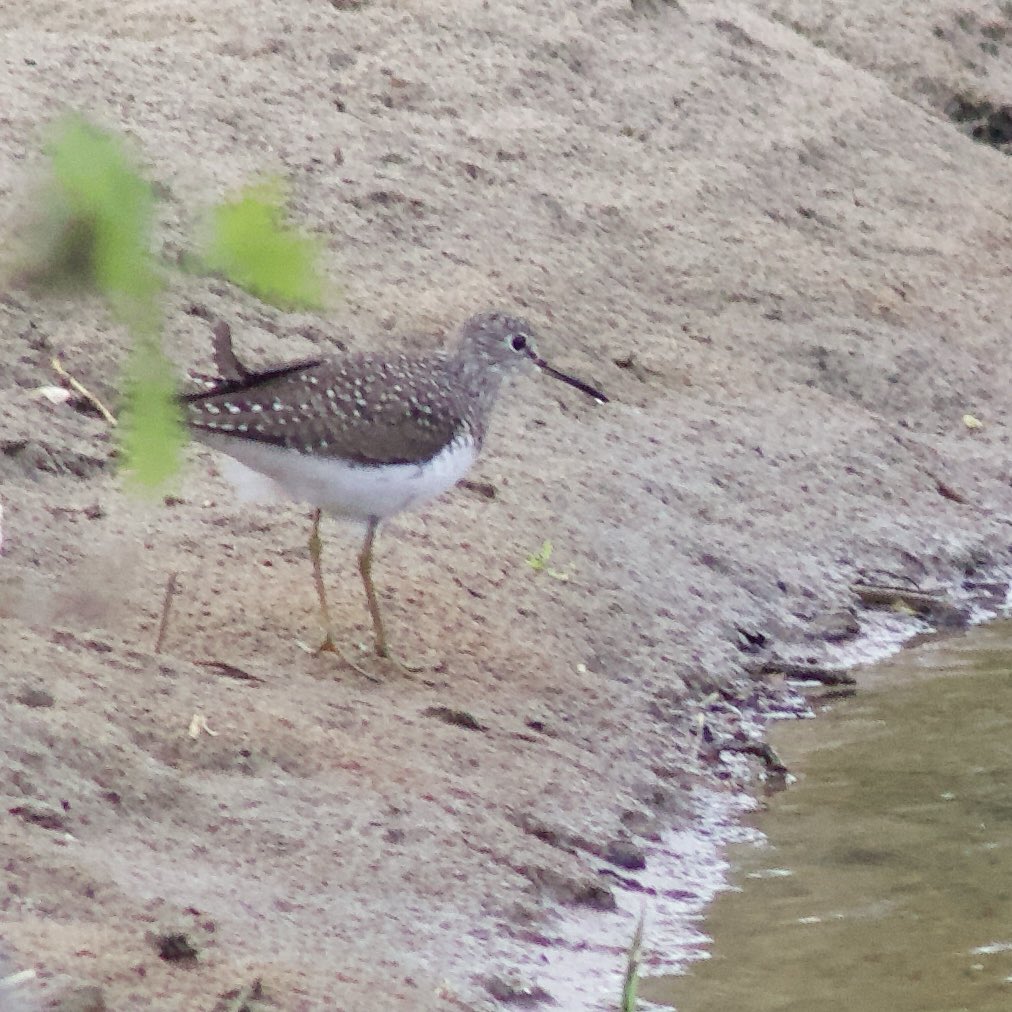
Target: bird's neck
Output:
[(478, 381)]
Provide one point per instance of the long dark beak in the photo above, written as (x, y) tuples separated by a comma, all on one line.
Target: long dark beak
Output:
[(571, 380)]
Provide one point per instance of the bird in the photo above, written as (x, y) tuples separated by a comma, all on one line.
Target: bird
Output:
[(361, 436)]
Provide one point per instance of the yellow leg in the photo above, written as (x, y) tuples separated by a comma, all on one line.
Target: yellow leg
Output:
[(365, 568), (315, 546)]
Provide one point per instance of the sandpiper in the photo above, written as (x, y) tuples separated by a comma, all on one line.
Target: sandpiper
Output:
[(363, 436)]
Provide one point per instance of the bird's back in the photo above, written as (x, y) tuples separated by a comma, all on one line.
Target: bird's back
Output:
[(367, 409)]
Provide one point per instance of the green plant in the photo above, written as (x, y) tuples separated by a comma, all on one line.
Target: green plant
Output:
[(538, 561), (632, 969), (95, 234), (251, 244), (92, 232)]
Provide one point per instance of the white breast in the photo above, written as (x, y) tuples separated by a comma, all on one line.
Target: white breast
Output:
[(261, 472)]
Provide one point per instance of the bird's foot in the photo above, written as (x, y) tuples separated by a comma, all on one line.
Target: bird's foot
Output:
[(381, 655), (328, 646), (371, 660)]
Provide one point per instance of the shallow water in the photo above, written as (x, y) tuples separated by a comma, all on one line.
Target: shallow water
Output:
[(884, 881)]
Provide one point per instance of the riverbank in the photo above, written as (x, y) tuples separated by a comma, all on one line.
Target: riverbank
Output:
[(766, 240)]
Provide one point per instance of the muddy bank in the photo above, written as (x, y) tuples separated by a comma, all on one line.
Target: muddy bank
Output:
[(767, 240)]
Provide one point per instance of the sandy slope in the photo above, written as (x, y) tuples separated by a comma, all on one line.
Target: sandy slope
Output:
[(752, 223)]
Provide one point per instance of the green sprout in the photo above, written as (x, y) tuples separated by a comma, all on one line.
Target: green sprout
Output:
[(632, 969), (539, 562)]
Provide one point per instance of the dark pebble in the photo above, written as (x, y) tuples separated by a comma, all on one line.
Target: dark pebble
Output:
[(625, 854), (835, 627), (36, 697), (38, 813), (175, 947), (517, 993)]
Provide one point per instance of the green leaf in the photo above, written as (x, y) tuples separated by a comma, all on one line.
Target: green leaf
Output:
[(251, 244), (539, 562), (100, 226)]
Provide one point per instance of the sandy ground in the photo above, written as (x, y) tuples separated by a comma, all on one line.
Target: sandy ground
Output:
[(758, 226)]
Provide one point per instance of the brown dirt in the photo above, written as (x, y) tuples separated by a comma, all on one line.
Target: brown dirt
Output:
[(753, 224)]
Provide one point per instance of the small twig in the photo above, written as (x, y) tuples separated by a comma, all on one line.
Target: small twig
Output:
[(843, 692), (932, 606), (454, 717), (231, 671), (947, 491), (83, 391), (163, 625), (868, 578), (882, 596), (803, 671)]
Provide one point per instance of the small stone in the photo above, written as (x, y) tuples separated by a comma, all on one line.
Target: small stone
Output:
[(571, 890), (625, 854), (38, 813), (518, 993), (643, 824), (175, 946), (35, 697), (835, 627), (340, 60)]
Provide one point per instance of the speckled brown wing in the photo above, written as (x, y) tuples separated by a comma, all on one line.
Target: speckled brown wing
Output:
[(368, 409)]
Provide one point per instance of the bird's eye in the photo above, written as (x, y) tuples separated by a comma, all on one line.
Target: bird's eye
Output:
[(518, 342)]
